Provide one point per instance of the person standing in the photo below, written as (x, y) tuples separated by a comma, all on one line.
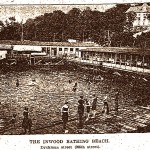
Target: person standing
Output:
[(27, 124), (116, 102), (105, 108), (88, 110), (13, 120), (64, 114), (25, 112), (80, 112), (94, 104)]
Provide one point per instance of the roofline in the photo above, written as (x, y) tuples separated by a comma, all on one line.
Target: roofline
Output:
[(118, 50), (42, 43)]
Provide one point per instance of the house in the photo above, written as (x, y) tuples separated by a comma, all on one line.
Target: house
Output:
[(142, 17), (5, 50), (3, 54)]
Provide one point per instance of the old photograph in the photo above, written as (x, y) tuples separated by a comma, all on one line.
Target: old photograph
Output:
[(75, 69)]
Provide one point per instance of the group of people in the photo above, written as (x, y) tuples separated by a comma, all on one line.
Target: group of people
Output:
[(83, 106), (26, 122), (31, 83)]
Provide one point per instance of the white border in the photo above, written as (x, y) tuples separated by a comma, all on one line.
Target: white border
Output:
[(117, 141)]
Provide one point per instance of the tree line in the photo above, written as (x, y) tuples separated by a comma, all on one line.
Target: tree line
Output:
[(108, 28)]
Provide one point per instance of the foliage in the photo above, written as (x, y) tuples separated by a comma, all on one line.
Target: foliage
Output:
[(129, 23), (11, 31), (143, 41), (105, 28)]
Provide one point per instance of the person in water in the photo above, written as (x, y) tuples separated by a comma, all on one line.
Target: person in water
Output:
[(94, 104), (25, 112), (105, 110), (80, 112), (88, 107), (64, 114), (75, 87), (27, 124), (17, 83)]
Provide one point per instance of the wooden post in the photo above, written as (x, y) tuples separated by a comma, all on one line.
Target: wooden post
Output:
[(131, 61), (30, 58), (111, 58), (143, 62), (149, 63), (22, 30), (93, 57), (120, 60), (50, 51), (136, 62), (125, 59), (106, 57), (115, 59)]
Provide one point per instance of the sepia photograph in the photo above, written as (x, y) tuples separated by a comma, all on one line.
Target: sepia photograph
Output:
[(75, 69)]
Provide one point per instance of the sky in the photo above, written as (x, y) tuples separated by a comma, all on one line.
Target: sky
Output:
[(22, 10), (31, 11), (69, 1)]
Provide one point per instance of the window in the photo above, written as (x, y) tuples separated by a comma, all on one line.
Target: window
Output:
[(54, 51), (138, 20), (138, 15), (60, 49), (65, 50), (43, 49), (144, 16), (71, 49), (77, 49), (48, 50)]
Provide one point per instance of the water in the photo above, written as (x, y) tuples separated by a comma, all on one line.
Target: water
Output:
[(51, 89)]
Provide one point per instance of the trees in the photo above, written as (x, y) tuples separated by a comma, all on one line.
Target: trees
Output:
[(73, 26), (116, 17), (122, 39), (104, 28), (143, 40), (128, 27), (114, 23), (11, 31), (29, 30)]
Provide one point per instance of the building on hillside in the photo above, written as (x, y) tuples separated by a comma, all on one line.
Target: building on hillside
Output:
[(142, 17)]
